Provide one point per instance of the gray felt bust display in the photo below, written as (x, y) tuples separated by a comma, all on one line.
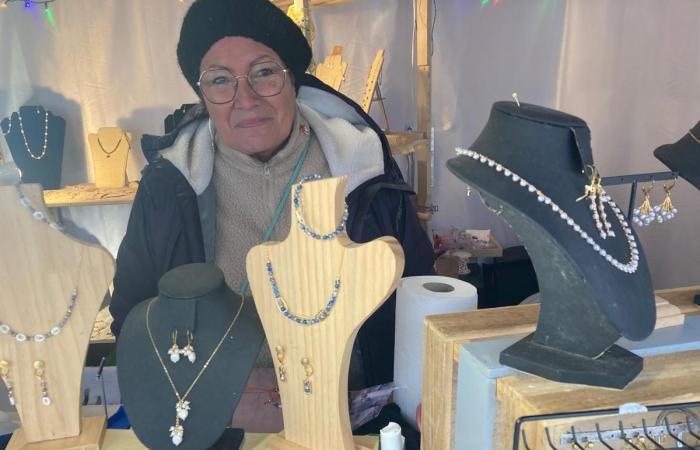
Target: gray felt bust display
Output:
[(193, 297), (586, 302)]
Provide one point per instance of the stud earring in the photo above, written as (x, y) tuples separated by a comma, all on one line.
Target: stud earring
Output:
[(597, 197), (188, 350), (5, 375), (39, 367), (282, 371), (666, 211), (174, 351), (644, 215), (309, 370)]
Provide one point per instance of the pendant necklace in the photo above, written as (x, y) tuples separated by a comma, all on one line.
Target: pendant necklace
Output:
[(628, 267), (58, 327), (109, 152), (46, 136), (9, 126), (182, 407)]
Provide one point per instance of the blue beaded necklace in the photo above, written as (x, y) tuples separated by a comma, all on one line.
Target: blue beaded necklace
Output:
[(296, 201)]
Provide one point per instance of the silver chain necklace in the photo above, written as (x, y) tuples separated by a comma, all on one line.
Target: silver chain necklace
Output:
[(46, 136), (629, 267), (39, 338)]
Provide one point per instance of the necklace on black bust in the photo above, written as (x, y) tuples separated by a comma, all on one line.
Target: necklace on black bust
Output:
[(9, 126), (46, 136), (108, 153)]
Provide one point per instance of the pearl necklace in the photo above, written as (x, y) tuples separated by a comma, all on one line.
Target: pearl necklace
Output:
[(628, 267), (46, 136), (9, 126), (39, 338)]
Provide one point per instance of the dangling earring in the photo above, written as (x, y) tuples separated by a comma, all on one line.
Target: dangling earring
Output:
[(644, 215), (597, 196), (666, 211), (309, 370), (39, 374), (188, 350), (174, 351), (282, 371), (5, 375)]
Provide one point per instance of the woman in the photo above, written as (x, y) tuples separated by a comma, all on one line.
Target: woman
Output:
[(211, 187)]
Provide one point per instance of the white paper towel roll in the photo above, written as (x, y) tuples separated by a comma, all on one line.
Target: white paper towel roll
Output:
[(417, 297)]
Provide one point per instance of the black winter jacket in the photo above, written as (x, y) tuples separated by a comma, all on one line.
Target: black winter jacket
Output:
[(165, 231)]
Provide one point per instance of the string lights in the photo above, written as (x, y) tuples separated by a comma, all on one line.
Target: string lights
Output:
[(28, 5)]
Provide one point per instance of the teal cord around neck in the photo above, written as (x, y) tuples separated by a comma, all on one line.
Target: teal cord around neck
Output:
[(280, 207)]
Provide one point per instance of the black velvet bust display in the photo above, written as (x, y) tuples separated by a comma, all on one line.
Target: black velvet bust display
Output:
[(193, 297), (586, 303), (683, 156), (47, 170)]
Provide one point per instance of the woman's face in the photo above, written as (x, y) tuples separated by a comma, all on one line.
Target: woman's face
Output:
[(254, 125)]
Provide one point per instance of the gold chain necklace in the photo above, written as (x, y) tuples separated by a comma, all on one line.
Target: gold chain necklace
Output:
[(182, 407), (109, 152), (695, 138)]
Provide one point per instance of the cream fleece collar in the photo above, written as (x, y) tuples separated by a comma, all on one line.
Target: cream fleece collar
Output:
[(350, 146)]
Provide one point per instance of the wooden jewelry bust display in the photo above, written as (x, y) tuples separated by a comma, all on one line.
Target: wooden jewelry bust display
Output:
[(110, 151), (313, 291), (53, 286)]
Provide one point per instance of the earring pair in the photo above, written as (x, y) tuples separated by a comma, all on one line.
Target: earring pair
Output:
[(597, 197), (282, 370), (188, 350), (646, 214), (39, 367)]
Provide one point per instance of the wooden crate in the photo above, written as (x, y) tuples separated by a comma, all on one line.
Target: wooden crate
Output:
[(444, 336)]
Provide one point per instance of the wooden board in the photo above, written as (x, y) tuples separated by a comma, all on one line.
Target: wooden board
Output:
[(89, 194), (403, 142), (90, 438), (279, 443), (446, 333), (670, 378), (305, 270), (372, 81), (41, 267), (683, 298), (332, 70)]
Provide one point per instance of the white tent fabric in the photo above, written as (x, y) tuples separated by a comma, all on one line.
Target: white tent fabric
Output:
[(630, 68)]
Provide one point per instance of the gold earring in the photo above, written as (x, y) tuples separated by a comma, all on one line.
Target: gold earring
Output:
[(5, 375), (597, 196), (174, 351), (666, 211), (282, 371), (188, 350), (39, 367), (644, 215), (309, 370)]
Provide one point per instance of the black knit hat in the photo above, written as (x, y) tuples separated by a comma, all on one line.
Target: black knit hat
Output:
[(208, 21)]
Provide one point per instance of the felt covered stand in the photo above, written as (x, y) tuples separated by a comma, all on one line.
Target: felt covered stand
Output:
[(587, 303), (683, 156), (110, 151), (192, 297), (305, 270), (46, 170)]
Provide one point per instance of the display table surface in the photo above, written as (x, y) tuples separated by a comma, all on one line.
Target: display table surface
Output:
[(481, 417), (126, 440), (89, 194)]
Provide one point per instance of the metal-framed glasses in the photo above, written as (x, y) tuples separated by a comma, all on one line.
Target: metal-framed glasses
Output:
[(265, 78)]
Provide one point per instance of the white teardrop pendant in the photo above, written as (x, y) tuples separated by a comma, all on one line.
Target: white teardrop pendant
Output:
[(177, 432), (183, 409)]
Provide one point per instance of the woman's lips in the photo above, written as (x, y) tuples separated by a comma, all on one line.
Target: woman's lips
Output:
[(254, 122)]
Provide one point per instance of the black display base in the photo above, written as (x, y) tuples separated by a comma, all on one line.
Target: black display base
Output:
[(232, 439), (615, 368)]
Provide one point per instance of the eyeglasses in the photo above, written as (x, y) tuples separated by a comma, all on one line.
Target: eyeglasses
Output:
[(219, 85)]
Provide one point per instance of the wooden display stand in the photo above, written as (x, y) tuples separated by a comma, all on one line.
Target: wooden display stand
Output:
[(444, 336), (305, 270), (110, 151), (41, 267), (332, 70)]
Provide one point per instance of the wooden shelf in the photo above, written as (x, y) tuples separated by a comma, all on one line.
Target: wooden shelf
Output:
[(401, 143), (89, 194)]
